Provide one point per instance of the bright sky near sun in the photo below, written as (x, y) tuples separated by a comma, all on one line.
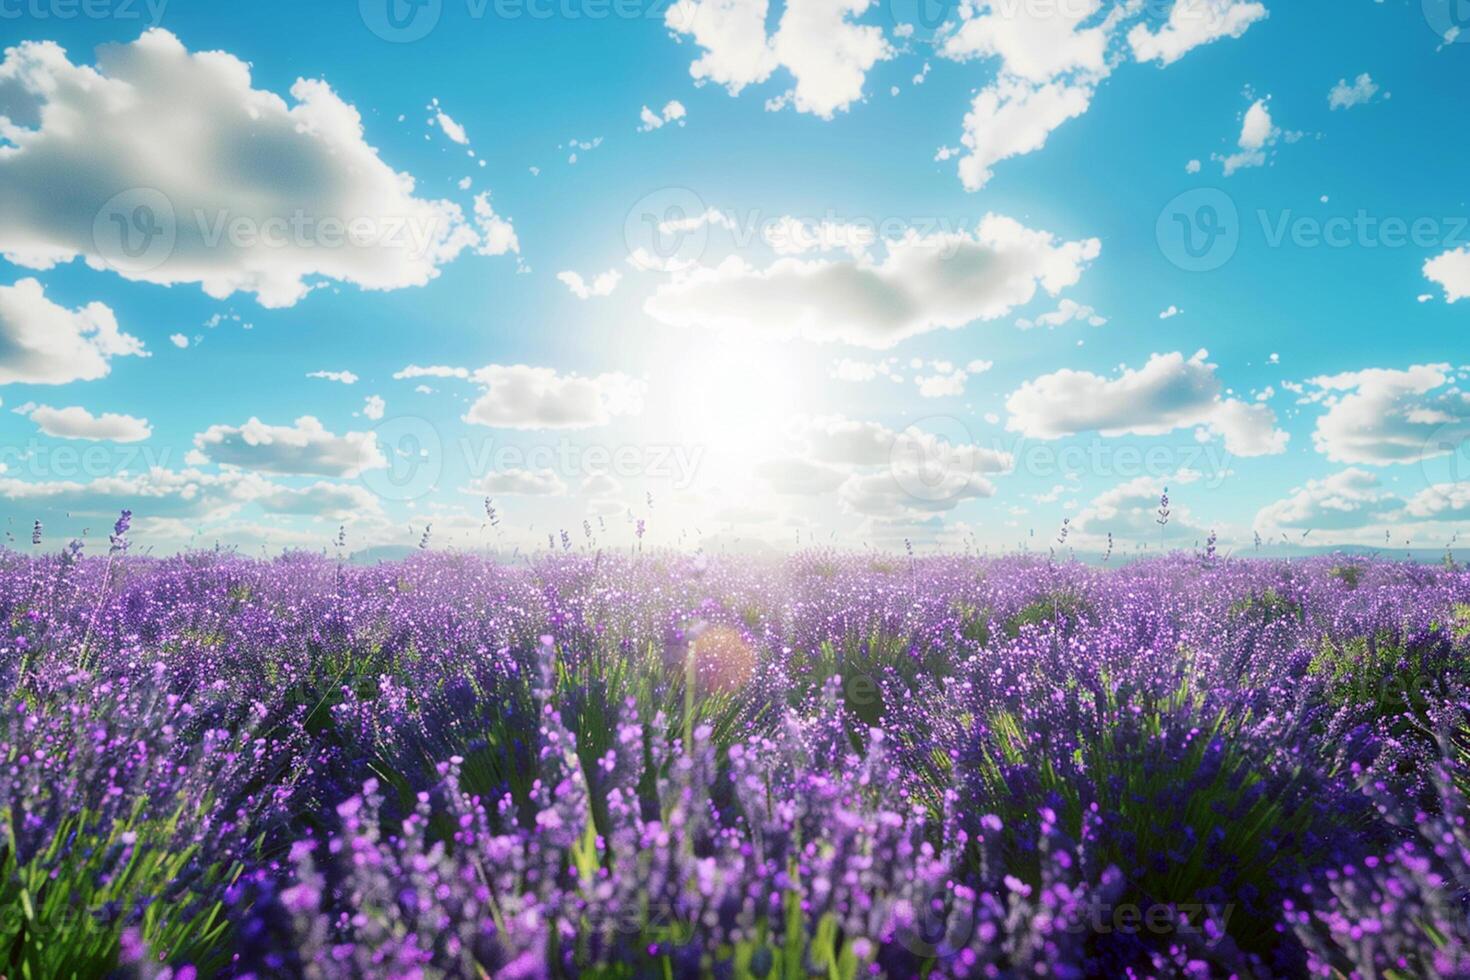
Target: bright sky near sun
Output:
[(820, 271)]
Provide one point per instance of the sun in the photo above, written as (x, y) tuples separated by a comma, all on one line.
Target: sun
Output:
[(732, 399)]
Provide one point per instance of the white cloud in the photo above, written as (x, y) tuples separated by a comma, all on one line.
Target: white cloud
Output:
[(1389, 416), (1035, 42), (941, 281), (816, 41), (733, 36), (1051, 59), (673, 112), (1130, 511), (522, 397), (1343, 501), (156, 493), (433, 371), (178, 340), (305, 448), (602, 284), (75, 422), (1193, 167), (802, 477), (1067, 311), (294, 194), (848, 442), (328, 500), (793, 236), (538, 483), (497, 235), (600, 485), (42, 343), (948, 379), (451, 128), (1442, 502), (341, 377), (1170, 313), (1193, 23), (1345, 96), (909, 494), (1257, 133), (374, 407), (848, 369), (1452, 271), (1167, 393), (1012, 118)]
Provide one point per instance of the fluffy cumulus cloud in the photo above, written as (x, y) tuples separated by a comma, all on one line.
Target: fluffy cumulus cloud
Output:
[(805, 477), (334, 501), (538, 483), (1035, 41), (1192, 23), (1381, 416), (156, 493), (1257, 133), (43, 343), (1051, 58), (602, 284), (305, 448), (1067, 311), (923, 283), (1012, 118), (1130, 512), (522, 397), (74, 422), (1442, 502), (1169, 392), (673, 112), (879, 472), (1343, 501), (255, 194), (1451, 271), (816, 41), (947, 379), (1345, 95)]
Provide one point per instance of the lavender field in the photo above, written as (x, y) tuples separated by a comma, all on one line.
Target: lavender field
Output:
[(675, 766)]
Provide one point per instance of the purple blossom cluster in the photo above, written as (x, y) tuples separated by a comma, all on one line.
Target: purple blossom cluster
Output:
[(684, 766)]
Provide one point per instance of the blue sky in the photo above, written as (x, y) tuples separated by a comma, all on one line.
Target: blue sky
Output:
[(879, 272)]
